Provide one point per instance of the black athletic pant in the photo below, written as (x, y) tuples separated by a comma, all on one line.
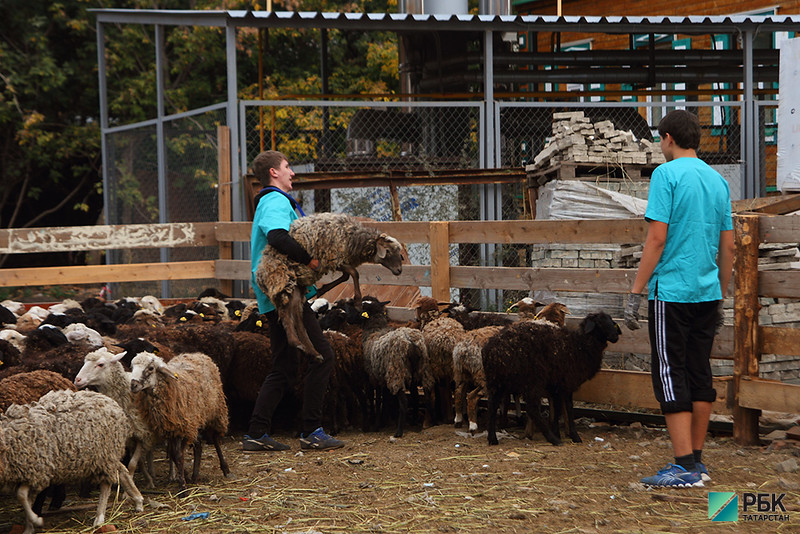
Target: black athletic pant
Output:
[(284, 374)]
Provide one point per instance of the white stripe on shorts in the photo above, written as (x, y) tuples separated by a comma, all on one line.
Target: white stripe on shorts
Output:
[(661, 350)]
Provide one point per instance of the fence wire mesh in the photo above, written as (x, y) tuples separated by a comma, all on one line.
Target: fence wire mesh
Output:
[(188, 194), (358, 137)]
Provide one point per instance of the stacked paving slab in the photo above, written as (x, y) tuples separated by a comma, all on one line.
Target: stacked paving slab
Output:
[(577, 139)]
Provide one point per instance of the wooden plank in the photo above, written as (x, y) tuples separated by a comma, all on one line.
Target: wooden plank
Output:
[(233, 231), (779, 284), (638, 341), (404, 231), (759, 394), (775, 340), (779, 229), (412, 275), (745, 323), (634, 389), (102, 237), (776, 205), (528, 232), (224, 196), (440, 261), (90, 274), (525, 278)]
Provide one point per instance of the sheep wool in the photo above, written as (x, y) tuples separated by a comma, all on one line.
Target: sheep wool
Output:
[(340, 243), (23, 388), (65, 436), (179, 399), (537, 360)]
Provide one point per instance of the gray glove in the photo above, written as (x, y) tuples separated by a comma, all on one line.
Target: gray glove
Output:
[(720, 317), (632, 311)]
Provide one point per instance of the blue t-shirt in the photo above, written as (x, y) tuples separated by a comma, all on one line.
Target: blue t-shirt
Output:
[(694, 200), (274, 211)]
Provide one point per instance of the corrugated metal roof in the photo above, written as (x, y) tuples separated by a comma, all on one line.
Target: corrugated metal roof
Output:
[(405, 22)]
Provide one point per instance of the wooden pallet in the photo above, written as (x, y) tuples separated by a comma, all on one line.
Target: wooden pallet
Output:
[(570, 170)]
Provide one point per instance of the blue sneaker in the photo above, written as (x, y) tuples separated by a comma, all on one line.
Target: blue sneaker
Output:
[(264, 443), (674, 476), (701, 468), (319, 440)]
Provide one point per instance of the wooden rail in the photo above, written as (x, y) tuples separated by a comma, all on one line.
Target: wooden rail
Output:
[(743, 395)]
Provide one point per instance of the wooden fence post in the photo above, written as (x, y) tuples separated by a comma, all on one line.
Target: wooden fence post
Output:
[(745, 323), (440, 260), (224, 196)]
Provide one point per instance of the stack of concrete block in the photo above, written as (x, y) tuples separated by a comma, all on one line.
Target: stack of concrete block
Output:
[(576, 139), (777, 256)]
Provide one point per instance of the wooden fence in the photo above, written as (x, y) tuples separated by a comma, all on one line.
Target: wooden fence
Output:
[(743, 395)]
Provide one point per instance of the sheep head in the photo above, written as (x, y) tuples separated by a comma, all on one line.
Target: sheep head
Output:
[(95, 367), (602, 326), (389, 253), (144, 372)]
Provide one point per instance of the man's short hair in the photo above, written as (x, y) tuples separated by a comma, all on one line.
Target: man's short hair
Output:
[(683, 126), (269, 159)]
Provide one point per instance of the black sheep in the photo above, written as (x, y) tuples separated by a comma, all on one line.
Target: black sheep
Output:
[(535, 361)]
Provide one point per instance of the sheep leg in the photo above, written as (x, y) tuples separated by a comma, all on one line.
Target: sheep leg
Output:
[(126, 481), (533, 407), (102, 502), (197, 448), (402, 409), (176, 447), (569, 414), (348, 270), (295, 329), (460, 402), (31, 519), (330, 285), (218, 446), (492, 427), (134, 462), (556, 401), (472, 407)]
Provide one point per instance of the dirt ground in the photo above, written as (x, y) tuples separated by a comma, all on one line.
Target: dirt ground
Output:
[(443, 480)]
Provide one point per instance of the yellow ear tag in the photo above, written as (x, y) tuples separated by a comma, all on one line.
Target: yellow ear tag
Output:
[(183, 319), (175, 375), (201, 315), (237, 313), (365, 315), (259, 323)]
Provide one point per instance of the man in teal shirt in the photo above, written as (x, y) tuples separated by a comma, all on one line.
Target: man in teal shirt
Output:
[(275, 211), (686, 263)]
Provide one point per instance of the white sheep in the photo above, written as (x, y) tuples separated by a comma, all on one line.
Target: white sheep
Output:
[(340, 243), (64, 437), (103, 371), (178, 400)]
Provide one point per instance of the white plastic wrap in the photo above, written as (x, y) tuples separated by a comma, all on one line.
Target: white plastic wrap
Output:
[(572, 199), (788, 174)]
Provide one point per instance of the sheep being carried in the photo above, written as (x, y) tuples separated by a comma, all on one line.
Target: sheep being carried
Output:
[(340, 243)]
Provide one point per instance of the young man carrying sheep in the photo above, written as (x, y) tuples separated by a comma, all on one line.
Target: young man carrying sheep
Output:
[(275, 211), (686, 263)]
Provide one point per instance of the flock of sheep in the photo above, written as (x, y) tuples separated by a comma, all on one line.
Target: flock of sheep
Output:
[(84, 385)]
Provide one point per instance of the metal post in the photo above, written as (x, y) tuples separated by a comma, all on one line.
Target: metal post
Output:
[(161, 149), (750, 175), (490, 191), (240, 251), (110, 214)]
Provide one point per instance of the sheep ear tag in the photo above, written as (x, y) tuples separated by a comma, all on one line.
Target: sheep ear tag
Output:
[(365, 315), (164, 370)]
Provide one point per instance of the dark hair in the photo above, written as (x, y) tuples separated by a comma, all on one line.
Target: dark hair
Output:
[(269, 159), (684, 127)]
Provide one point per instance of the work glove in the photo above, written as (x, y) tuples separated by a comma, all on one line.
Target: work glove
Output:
[(720, 317), (632, 311)]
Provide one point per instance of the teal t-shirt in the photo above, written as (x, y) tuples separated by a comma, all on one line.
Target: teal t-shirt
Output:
[(274, 211), (694, 200)]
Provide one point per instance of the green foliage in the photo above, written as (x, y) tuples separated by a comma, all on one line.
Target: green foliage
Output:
[(49, 107)]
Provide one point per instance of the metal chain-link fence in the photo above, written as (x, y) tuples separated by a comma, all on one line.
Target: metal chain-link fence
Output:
[(187, 193), (359, 137)]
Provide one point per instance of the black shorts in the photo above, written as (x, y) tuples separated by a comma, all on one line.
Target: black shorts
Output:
[(681, 337)]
